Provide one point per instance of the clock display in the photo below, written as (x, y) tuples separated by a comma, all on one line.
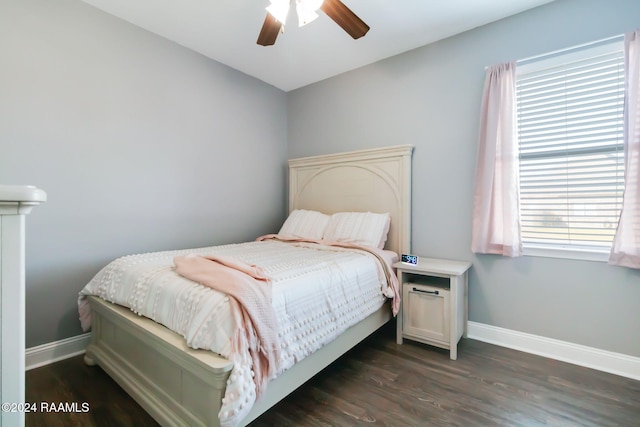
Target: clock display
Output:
[(409, 259)]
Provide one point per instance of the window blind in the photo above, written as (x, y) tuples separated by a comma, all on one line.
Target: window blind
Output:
[(571, 154)]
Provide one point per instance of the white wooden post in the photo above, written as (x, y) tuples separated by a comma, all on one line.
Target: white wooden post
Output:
[(15, 202)]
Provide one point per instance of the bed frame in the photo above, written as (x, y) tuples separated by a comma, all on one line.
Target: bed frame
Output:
[(178, 385)]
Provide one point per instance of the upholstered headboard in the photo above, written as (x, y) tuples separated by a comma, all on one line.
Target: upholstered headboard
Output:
[(376, 180)]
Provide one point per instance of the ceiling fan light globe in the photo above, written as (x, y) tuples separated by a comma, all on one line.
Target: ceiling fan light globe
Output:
[(306, 10), (305, 16), (313, 4), (279, 9)]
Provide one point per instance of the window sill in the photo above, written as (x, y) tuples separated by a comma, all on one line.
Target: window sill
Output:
[(576, 254)]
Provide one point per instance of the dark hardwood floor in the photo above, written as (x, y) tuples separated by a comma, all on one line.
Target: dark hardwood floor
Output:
[(381, 383)]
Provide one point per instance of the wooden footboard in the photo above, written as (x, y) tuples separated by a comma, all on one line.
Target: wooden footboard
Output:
[(178, 385)]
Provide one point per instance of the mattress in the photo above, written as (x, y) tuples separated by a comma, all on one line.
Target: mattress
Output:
[(318, 292)]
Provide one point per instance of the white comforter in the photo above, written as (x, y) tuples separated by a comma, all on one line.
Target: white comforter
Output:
[(318, 292)]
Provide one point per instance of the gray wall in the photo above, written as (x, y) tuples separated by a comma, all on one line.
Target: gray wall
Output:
[(140, 144), (430, 97)]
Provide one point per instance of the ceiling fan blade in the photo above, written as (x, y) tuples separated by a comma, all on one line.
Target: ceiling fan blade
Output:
[(269, 31), (344, 17)]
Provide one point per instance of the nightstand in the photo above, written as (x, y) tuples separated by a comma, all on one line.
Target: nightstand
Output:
[(433, 307)]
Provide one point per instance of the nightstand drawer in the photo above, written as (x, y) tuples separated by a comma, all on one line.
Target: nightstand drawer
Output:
[(425, 315)]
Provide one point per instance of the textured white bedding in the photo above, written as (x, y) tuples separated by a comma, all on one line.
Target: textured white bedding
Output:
[(318, 292)]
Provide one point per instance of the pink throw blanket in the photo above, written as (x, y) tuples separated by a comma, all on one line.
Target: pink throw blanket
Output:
[(249, 292)]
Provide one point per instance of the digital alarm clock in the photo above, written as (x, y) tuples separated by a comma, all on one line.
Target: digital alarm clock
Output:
[(410, 259)]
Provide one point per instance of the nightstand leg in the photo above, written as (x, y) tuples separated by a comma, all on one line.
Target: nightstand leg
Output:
[(399, 325), (399, 315), (454, 289), (465, 285)]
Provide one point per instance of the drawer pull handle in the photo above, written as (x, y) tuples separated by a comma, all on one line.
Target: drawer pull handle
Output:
[(426, 292)]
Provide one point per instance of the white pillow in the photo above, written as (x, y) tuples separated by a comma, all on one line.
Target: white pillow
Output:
[(361, 228), (305, 224)]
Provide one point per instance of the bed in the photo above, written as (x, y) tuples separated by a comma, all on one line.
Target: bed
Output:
[(179, 385)]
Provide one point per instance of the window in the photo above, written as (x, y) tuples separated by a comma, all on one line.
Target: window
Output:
[(571, 153)]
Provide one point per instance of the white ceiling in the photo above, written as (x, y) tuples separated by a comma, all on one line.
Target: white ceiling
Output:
[(226, 30)]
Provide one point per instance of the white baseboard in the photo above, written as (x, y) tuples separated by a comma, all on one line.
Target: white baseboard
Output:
[(55, 351), (589, 357)]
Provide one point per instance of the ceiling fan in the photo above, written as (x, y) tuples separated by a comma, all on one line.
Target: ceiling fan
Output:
[(306, 10)]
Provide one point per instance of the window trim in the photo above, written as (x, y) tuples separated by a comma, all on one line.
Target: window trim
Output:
[(594, 254)]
